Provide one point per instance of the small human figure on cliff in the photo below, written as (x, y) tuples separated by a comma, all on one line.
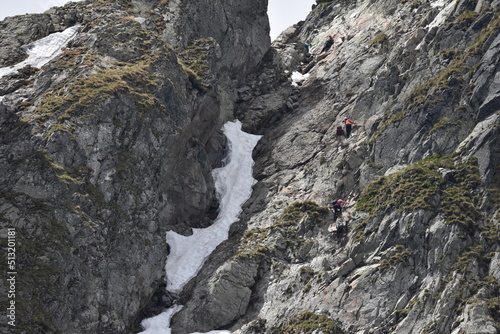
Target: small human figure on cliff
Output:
[(341, 229), (337, 207), (307, 46), (328, 44), (348, 127), (340, 136)]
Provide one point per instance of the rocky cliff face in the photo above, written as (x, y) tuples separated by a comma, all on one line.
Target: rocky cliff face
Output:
[(112, 143), (109, 145), (420, 172)]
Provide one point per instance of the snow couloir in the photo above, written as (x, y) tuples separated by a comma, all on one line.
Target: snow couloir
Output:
[(233, 185)]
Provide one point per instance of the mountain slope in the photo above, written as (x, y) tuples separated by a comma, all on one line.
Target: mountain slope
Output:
[(107, 146), (111, 144), (420, 172)]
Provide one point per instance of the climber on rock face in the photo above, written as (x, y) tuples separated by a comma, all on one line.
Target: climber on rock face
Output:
[(341, 229), (340, 136), (348, 127), (307, 46), (328, 44), (337, 207)]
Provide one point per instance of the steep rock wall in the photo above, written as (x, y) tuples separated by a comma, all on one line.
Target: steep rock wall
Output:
[(105, 148), (422, 246)]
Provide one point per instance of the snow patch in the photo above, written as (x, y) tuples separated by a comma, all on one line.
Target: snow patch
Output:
[(438, 3), (298, 78), (440, 17), (141, 20), (43, 50), (161, 323), (443, 14), (233, 185)]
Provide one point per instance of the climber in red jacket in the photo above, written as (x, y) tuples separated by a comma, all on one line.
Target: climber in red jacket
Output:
[(348, 127), (337, 207)]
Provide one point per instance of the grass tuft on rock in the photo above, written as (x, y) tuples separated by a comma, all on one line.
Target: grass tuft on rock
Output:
[(436, 90), (398, 254), (306, 214), (134, 79), (422, 186), (295, 212), (379, 39), (309, 323), (194, 61)]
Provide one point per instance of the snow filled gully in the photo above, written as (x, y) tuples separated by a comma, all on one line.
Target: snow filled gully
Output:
[(233, 185)]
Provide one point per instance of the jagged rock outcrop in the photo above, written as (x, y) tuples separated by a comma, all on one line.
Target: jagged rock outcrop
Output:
[(109, 145)]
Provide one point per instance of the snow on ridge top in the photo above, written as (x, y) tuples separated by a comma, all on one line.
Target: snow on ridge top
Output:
[(233, 184), (42, 51)]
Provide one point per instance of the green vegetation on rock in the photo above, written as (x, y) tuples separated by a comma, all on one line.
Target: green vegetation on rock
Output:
[(477, 259), (306, 275), (293, 213), (388, 119), (36, 262), (380, 38), (493, 190), (89, 80), (492, 232), (194, 60), (133, 79), (59, 171), (39, 276), (466, 18), (441, 124), (454, 72), (287, 225), (473, 256), (413, 2), (105, 4), (452, 77), (422, 186), (397, 255), (308, 323)]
